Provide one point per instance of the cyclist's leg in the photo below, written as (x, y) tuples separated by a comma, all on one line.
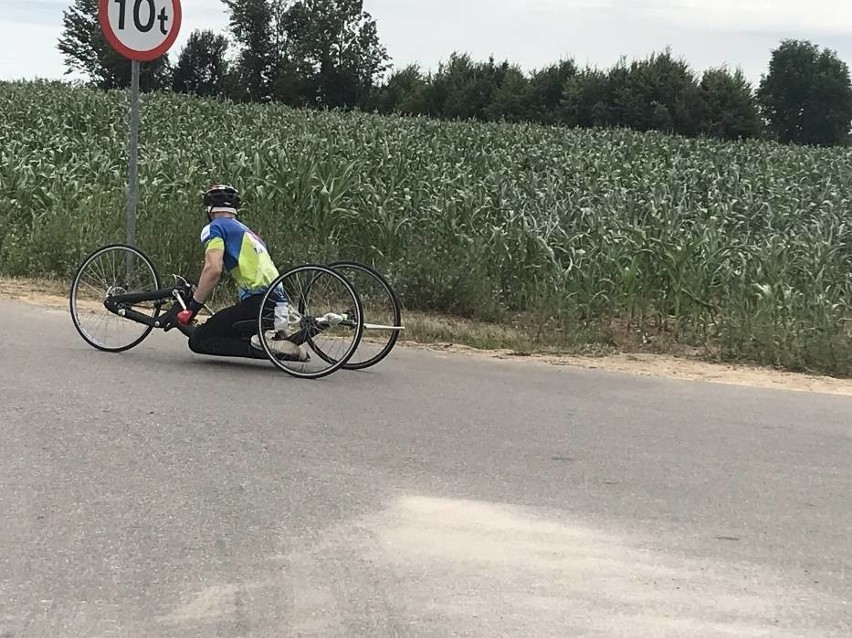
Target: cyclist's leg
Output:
[(217, 337)]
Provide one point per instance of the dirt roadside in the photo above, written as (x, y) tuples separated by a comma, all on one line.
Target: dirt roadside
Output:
[(670, 367), (48, 294)]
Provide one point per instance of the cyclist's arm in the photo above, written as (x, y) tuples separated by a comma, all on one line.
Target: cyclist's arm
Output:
[(210, 275)]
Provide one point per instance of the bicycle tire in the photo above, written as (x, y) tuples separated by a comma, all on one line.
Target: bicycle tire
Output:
[(396, 313), (74, 296), (300, 300)]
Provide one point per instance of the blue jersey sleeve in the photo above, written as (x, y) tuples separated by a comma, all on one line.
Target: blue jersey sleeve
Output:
[(213, 236)]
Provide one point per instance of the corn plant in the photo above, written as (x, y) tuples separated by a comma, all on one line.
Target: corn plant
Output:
[(744, 249)]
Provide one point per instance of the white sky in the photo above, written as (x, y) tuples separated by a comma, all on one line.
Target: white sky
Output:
[(533, 33)]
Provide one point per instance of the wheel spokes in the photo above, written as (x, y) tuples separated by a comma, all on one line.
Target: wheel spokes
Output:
[(111, 271), (382, 314), (320, 301)]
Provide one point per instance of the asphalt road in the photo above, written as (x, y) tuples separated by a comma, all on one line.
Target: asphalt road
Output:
[(159, 493)]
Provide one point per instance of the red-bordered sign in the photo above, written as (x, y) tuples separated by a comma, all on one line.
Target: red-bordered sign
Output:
[(141, 30)]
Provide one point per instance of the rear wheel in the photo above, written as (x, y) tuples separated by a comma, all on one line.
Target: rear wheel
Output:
[(112, 270), (324, 320), (382, 314)]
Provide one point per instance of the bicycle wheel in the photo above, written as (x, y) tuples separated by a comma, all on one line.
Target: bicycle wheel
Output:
[(324, 319), (112, 270), (382, 314)]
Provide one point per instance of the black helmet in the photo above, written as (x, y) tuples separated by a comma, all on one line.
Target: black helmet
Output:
[(221, 198)]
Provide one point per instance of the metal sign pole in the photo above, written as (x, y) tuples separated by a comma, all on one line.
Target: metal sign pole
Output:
[(131, 33), (133, 154)]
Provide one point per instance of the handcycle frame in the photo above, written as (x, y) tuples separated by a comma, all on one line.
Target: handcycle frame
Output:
[(119, 302), (114, 304)]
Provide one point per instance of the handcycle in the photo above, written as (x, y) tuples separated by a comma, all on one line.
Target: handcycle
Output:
[(117, 299)]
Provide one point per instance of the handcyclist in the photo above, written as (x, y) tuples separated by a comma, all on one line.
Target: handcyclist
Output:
[(231, 245)]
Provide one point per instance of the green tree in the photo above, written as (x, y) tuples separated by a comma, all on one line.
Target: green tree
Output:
[(658, 93), (404, 92), (546, 93), (463, 89), (806, 97), (85, 49), (334, 45), (588, 98), (732, 111), (308, 52), (256, 27), (510, 98), (202, 68)]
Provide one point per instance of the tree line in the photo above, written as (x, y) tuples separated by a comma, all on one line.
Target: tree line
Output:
[(327, 54)]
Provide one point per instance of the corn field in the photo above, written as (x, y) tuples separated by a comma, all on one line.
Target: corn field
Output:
[(743, 249)]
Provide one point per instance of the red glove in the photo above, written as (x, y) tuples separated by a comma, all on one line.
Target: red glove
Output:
[(185, 317)]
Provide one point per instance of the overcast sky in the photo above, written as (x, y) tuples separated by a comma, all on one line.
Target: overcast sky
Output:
[(533, 33)]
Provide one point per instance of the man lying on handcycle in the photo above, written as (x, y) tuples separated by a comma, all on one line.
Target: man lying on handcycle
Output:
[(231, 245)]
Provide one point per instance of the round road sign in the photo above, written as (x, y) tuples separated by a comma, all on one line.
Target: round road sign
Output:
[(141, 30)]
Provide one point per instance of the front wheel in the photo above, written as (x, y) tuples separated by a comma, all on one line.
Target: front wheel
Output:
[(323, 318), (117, 269)]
